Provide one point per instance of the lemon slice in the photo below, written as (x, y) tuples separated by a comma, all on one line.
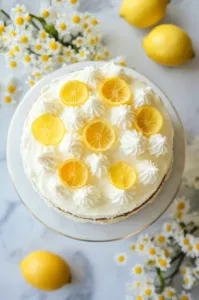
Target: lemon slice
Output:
[(74, 93), (115, 91), (98, 135), (148, 120), (48, 130), (122, 175), (73, 173)]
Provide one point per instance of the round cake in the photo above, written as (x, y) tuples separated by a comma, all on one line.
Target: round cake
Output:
[(97, 144)]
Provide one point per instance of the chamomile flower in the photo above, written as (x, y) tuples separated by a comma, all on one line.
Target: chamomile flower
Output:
[(8, 98), (73, 2), (163, 262), (121, 258), (43, 35), (133, 247), (169, 229), (68, 52), (31, 80), (170, 293), (161, 239), (62, 27), (189, 281), (52, 46), (28, 59), (180, 204), (151, 250), (185, 270), (76, 19), (148, 290), (48, 13), (185, 296), (11, 87), (196, 272), (138, 270), (20, 21), (83, 54), (120, 60), (79, 42), (37, 73), (159, 297), (12, 63), (186, 242), (18, 10), (2, 28)]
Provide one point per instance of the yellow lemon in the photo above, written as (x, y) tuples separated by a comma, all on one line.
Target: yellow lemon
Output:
[(48, 130), (98, 135), (73, 173), (45, 270), (74, 93), (122, 175), (148, 120), (143, 13), (115, 91), (168, 45)]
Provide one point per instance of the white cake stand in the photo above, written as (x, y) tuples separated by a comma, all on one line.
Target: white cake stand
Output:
[(87, 231)]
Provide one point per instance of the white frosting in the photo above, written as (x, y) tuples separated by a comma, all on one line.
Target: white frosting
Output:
[(133, 142), (121, 197), (122, 116), (158, 145), (41, 162), (72, 118), (93, 108), (87, 196), (142, 96), (72, 144), (98, 164), (148, 172)]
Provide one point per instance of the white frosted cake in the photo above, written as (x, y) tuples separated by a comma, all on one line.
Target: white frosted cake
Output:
[(97, 145)]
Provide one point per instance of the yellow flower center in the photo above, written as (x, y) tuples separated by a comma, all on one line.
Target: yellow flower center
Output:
[(11, 53), (122, 63), (139, 298), (170, 293), (45, 58), (62, 26), (179, 215), (13, 33), (13, 64), (92, 41), (98, 57), (161, 297), (76, 19), (85, 25), (38, 47), (19, 21), (168, 227), (2, 29), (121, 258), (19, 9), (183, 271), (141, 247), (82, 53), (31, 82), (186, 241), (24, 39), (27, 58), (151, 262), (89, 30), (166, 253), (79, 42), (162, 262), (73, 1), (133, 247), (11, 89), (138, 270), (7, 99), (186, 280), (197, 247), (107, 53), (53, 46), (148, 292), (37, 74), (28, 18), (180, 206), (190, 248), (184, 297), (94, 22), (45, 13), (161, 239), (152, 251), (138, 284), (68, 53), (43, 35), (16, 48), (60, 59)]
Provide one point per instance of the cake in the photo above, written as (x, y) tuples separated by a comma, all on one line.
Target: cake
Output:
[(97, 144)]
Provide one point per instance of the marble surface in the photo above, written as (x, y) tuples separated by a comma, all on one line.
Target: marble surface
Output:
[(95, 274)]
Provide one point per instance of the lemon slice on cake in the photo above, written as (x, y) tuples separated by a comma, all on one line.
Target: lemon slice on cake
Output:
[(74, 93), (148, 120), (122, 175), (49, 130), (73, 173), (115, 91), (98, 135)]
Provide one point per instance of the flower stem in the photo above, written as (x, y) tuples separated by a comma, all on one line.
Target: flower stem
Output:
[(5, 13), (161, 278)]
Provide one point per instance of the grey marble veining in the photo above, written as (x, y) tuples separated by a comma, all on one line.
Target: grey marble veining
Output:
[(95, 274)]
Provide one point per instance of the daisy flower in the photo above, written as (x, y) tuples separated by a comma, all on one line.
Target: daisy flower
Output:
[(62, 27), (43, 35), (169, 229), (133, 247), (137, 270), (159, 297), (2, 28), (163, 262), (186, 242), (8, 98), (79, 42), (83, 54), (31, 80), (28, 59), (189, 281), (18, 10), (148, 290), (12, 63), (185, 270), (121, 258), (68, 52), (20, 21), (24, 38), (161, 239), (73, 2), (11, 87), (151, 250), (120, 60), (52, 46), (170, 293), (185, 296), (180, 204), (38, 46), (76, 19), (48, 13)]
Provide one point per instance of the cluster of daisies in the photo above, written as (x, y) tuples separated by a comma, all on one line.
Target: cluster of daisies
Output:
[(173, 250), (58, 36)]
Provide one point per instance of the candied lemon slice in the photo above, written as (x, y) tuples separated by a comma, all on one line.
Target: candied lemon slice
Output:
[(148, 120), (73, 173), (74, 93), (48, 130), (115, 91), (122, 175), (98, 135)]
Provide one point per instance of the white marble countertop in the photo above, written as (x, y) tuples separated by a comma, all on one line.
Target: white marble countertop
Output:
[(95, 274)]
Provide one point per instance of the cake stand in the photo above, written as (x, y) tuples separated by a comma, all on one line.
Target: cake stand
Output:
[(48, 216)]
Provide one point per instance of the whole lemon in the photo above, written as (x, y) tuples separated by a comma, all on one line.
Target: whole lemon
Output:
[(168, 45), (45, 270), (143, 13)]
